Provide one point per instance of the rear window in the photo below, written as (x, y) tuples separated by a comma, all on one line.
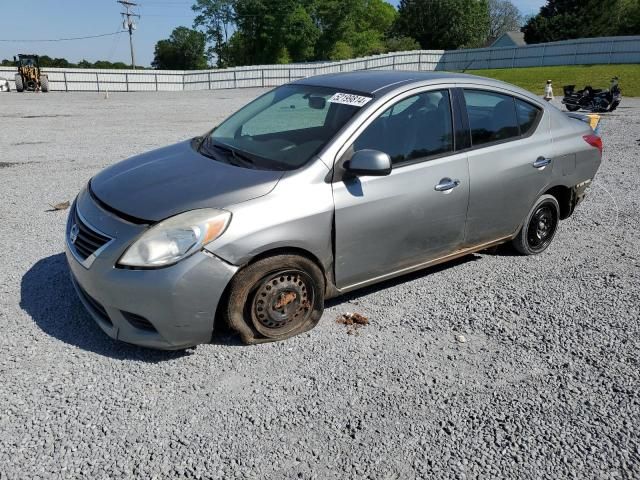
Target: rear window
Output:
[(492, 117)]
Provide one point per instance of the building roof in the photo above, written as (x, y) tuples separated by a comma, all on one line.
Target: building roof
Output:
[(514, 38)]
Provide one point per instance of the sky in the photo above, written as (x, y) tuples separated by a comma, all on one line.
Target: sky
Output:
[(55, 19)]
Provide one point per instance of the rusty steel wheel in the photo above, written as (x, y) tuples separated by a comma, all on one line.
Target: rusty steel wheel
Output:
[(282, 302), (275, 298)]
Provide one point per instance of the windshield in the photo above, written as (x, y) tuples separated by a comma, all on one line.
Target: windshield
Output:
[(282, 129)]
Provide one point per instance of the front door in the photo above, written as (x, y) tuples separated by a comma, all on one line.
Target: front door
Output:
[(417, 213)]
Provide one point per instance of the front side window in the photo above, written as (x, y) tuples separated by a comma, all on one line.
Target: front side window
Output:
[(282, 129), (492, 116), (414, 128)]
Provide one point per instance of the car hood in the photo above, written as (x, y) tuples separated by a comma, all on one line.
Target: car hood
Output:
[(174, 179)]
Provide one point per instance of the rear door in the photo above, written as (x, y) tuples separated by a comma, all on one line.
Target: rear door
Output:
[(417, 213), (510, 162)]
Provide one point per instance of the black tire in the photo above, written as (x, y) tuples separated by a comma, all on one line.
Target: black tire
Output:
[(572, 108), (19, 84), (275, 298), (539, 227), (44, 83)]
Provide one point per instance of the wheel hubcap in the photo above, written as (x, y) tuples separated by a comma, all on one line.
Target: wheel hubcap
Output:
[(282, 301)]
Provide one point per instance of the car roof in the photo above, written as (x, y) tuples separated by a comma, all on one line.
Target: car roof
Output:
[(378, 82)]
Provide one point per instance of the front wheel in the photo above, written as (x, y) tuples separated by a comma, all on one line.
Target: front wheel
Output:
[(275, 298), (44, 83), (572, 108), (19, 84), (539, 227)]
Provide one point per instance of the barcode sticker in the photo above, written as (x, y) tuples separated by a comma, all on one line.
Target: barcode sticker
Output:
[(349, 99)]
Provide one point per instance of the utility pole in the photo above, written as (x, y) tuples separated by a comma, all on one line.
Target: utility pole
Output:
[(128, 24)]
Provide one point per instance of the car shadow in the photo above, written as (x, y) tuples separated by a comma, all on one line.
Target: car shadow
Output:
[(347, 297), (47, 295), (502, 250)]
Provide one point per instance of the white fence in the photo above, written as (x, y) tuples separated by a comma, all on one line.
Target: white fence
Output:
[(585, 51), (608, 50)]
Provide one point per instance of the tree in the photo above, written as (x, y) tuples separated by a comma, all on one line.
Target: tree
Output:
[(568, 19), (630, 17), (352, 27), (183, 50), (504, 17), (216, 19), (283, 31), (401, 44), (46, 61), (444, 24), (272, 31)]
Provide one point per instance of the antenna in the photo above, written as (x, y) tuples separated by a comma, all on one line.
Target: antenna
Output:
[(128, 24)]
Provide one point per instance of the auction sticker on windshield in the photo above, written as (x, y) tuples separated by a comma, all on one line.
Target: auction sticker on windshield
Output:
[(349, 99)]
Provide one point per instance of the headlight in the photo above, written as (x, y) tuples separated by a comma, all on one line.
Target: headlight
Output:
[(176, 238)]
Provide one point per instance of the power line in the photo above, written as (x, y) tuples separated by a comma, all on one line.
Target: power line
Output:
[(63, 39)]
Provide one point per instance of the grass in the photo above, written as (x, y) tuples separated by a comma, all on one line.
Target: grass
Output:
[(598, 76)]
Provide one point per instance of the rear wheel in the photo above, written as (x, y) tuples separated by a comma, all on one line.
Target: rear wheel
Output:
[(572, 108), (19, 84), (539, 227), (44, 83), (275, 298)]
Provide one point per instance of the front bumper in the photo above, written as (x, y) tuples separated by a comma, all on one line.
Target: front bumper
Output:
[(167, 308)]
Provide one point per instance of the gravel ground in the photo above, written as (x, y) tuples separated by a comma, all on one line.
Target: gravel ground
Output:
[(546, 385)]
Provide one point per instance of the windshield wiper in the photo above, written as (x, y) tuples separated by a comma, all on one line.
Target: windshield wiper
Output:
[(240, 158), (205, 149)]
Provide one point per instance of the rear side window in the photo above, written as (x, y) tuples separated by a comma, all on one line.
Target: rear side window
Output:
[(492, 117), (528, 116)]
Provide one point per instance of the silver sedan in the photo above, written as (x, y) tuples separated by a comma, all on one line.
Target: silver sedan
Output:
[(317, 188)]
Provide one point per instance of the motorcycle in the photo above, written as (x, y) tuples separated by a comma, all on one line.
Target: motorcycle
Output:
[(593, 100)]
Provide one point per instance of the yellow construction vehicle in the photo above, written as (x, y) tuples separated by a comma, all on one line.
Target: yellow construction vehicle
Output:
[(29, 76)]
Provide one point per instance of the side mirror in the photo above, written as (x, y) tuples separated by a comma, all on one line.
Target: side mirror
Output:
[(369, 163)]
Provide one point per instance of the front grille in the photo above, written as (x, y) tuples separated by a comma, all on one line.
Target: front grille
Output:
[(87, 240), (95, 305)]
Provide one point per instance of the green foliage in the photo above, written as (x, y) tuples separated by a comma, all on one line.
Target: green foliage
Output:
[(444, 24), (47, 62), (216, 18), (183, 50), (568, 19), (598, 76), (341, 51), (273, 31), (401, 44), (283, 31)]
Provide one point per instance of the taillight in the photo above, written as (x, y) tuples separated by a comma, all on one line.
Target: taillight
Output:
[(594, 141)]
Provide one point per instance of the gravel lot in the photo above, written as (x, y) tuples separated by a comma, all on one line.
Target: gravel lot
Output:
[(547, 384)]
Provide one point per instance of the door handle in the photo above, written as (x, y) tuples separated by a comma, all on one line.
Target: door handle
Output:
[(541, 162), (446, 185)]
